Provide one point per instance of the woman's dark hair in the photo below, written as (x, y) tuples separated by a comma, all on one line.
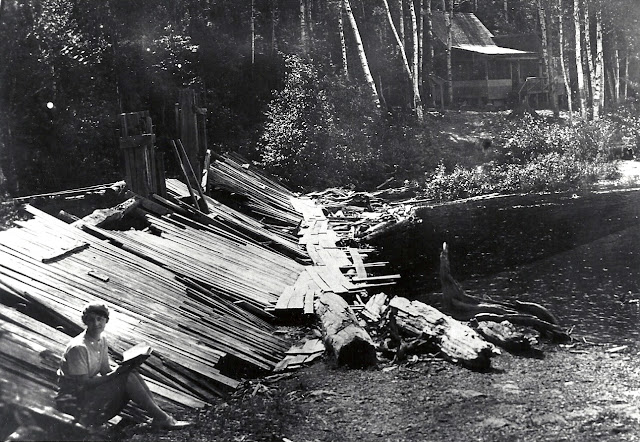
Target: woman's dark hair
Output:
[(97, 308)]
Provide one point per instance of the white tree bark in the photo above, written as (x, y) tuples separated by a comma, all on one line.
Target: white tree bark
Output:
[(590, 79), (417, 100), (598, 90), (361, 54), (578, 50), (565, 75), (343, 45), (547, 57)]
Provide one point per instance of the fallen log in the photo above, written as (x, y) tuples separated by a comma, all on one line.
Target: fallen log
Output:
[(456, 341), (349, 343), (504, 334), (464, 307)]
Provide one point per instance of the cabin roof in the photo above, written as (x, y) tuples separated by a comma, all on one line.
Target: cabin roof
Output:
[(466, 28), (469, 34)]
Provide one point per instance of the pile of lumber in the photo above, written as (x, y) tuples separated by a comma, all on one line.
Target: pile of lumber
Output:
[(267, 235), (29, 357), (264, 197), (227, 265), (54, 269)]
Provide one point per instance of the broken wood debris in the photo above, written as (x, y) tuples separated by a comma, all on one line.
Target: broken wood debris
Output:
[(264, 197), (456, 341), (301, 354)]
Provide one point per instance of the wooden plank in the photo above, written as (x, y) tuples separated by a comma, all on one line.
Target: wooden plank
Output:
[(296, 302), (64, 251), (375, 278), (309, 299), (322, 285), (315, 254), (361, 272), (334, 278), (283, 300)]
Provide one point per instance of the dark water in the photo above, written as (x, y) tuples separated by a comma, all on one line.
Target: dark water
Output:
[(577, 254)]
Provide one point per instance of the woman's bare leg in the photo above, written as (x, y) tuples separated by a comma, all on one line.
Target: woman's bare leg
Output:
[(139, 392)]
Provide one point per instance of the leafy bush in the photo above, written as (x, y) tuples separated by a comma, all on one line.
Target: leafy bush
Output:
[(525, 139), (533, 156)]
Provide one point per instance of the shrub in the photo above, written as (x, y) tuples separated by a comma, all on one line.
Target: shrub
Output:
[(525, 139)]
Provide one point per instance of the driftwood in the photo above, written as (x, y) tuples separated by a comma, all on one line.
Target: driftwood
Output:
[(464, 307), (504, 335), (456, 341), (344, 338)]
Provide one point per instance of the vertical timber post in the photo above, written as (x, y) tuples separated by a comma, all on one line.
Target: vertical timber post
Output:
[(188, 127), (143, 165)]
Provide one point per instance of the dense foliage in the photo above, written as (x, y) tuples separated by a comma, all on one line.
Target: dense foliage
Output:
[(533, 155), (272, 78)]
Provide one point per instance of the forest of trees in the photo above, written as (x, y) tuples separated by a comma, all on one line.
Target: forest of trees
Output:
[(320, 92)]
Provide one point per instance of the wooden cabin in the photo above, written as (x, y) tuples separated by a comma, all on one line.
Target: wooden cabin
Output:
[(483, 72)]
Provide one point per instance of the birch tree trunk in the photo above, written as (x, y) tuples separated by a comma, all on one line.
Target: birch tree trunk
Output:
[(598, 95), (578, 47), (547, 57), (253, 33), (625, 84), (505, 7), (616, 74), (590, 74), (401, 23), (361, 54), (421, 46), (343, 45), (565, 76), (417, 100)]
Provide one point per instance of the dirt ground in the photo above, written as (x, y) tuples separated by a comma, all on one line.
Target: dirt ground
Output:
[(581, 391), (578, 392)]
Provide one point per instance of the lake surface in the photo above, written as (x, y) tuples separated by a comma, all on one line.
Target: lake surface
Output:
[(578, 254)]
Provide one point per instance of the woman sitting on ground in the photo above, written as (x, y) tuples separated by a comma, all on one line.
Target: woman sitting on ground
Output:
[(90, 390)]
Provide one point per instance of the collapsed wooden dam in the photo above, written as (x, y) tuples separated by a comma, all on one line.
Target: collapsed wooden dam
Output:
[(205, 290)]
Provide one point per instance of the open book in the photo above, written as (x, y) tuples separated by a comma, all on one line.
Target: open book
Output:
[(136, 355)]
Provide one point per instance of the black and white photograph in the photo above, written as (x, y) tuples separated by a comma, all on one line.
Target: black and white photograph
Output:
[(320, 220)]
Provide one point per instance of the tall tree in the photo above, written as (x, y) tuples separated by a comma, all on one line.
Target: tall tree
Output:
[(565, 75), (401, 22), (361, 54), (547, 57), (417, 102), (590, 74), (578, 51), (343, 45), (428, 59), (598, 75), (616, 71)]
